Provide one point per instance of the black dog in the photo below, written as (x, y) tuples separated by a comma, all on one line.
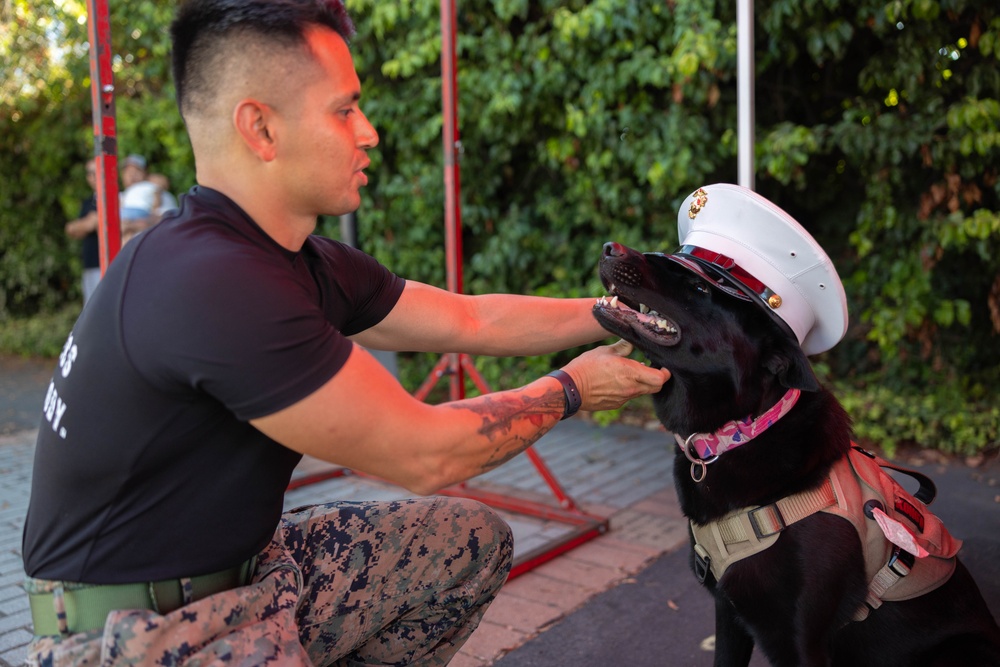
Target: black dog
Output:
[(797, 599)]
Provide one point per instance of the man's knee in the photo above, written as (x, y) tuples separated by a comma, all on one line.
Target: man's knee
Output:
[(490, 540), (501, 539)]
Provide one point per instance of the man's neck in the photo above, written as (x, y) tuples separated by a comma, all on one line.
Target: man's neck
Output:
[(265, 207)]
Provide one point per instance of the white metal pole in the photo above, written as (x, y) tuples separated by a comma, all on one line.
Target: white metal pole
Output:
[(745, 93)]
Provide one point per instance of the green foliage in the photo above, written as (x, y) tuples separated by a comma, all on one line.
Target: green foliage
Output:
[(580, 123), (946, 421), (42, 335), (877, 126), (905, 128), (46, 134)]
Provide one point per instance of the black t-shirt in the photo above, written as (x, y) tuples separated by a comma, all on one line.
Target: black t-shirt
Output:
[(146, 467), (90, 249)]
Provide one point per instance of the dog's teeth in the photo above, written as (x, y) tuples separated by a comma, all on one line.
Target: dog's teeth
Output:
[(662, 324), (643, 308), (614, 302)]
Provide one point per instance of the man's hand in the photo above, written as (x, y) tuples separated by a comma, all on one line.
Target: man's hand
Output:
[(607, 378)]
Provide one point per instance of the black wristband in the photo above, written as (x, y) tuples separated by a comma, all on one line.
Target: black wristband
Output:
[(573, 400)]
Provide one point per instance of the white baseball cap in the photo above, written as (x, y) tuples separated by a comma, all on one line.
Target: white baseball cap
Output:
[(736, 238)]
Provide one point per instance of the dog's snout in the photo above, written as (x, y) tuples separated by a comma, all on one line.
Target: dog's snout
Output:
[(612, 249)]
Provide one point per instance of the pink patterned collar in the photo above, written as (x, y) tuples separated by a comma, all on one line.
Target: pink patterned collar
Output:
[(708, 446)]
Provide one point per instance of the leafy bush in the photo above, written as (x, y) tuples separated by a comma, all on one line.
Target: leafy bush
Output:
[(946, 421), (42, 335), (46, 135)]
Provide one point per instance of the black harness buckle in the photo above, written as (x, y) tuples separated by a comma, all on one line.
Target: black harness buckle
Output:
[(702, 563), (901, 562)]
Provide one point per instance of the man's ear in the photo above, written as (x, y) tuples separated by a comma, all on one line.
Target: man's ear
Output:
[(255, 123)]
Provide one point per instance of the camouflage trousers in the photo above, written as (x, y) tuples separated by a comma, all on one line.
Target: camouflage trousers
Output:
[(348, 583)]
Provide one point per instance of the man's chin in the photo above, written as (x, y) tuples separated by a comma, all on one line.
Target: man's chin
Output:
[(345, 208)]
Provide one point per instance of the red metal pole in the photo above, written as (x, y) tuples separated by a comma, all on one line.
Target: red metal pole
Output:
[(452, 145), (102, 95), (452, 206)]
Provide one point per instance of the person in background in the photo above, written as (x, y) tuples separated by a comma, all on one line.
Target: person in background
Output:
[(165, 202), (138, 198), (84, 228)]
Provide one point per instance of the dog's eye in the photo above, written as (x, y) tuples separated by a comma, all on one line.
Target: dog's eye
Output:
[(700, 286)]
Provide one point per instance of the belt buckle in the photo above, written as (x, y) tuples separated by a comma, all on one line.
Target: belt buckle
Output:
[(59, 608)]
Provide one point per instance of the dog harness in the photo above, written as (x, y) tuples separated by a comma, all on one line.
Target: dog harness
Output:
[(907, 549)]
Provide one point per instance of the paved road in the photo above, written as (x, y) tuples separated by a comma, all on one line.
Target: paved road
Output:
[(22, 391)]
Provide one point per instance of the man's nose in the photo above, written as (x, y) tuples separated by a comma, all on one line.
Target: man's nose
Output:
[(367, 135)]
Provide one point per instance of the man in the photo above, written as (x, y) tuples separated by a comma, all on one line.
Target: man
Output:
[(221, 346), (84, 228)]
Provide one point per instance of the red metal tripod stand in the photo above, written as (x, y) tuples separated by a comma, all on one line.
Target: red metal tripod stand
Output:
[(456, 366)]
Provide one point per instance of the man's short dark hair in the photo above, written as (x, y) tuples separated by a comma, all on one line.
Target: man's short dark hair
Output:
[(202, 25)]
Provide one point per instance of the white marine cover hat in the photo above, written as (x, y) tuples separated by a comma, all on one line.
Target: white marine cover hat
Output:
[(731, 234)]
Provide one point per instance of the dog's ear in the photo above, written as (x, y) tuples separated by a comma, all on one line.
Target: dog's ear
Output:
[(789, 363)]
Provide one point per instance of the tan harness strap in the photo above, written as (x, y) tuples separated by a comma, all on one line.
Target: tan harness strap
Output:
[(774, 518), (888, 576), (748, 531)]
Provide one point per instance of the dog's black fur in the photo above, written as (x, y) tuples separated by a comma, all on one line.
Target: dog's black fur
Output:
[(730, 359)]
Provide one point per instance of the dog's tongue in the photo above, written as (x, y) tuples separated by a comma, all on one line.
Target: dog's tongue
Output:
[(644, 315)]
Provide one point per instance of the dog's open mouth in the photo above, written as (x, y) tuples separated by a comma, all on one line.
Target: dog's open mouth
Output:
[(622, 318)]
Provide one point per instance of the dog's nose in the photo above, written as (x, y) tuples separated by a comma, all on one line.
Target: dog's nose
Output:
[(612, 249)]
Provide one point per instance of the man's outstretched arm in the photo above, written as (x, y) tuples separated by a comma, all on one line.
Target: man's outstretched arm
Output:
[(428, 319), (364, 420)]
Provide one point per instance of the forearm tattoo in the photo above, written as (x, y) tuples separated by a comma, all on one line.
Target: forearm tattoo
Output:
[(500, 414)]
